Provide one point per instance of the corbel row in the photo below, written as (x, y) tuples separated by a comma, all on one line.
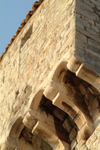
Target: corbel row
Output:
[(68, 93), (39, 123), (65, 95)]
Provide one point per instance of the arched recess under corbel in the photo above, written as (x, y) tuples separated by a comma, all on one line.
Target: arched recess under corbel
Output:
[(40, 119), (12, 140), (70, 95), (75, 96), (61, 108)]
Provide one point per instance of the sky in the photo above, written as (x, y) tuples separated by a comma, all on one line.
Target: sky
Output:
[(12, 12)]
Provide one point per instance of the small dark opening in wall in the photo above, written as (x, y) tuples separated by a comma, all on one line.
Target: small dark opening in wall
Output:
[(26, 36)]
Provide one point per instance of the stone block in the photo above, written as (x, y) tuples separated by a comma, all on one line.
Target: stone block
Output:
[(36, 100), (42, 116), (73, 64), (58, 113), (72, 134), (61, 145), (89, 76), (29, 121), (73, 144), (45, 132), (50, 92), (79, 120), (67, 125), (71, 109), (85, 132)]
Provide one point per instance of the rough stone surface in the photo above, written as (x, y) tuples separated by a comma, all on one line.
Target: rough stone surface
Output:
[(42, 42), (57, 53), (88, 33)]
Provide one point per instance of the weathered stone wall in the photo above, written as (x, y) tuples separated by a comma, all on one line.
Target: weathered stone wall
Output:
[(44, 40), (88, 33), (93, 143), (94, 140), (57, 32)]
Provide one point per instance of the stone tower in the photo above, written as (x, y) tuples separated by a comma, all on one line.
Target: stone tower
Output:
[(50, 79)]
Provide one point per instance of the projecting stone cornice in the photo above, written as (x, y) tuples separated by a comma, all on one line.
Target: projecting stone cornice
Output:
[(51, 75), (65, 100)]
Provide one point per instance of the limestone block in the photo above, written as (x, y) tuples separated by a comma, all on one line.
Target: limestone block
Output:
[(84, 5), (73, 144), (25, 145), (29, 121), (94, 44), (85, 11), (50, 92), (89, 76), (72, 134), (60, 70), (95, 2), (50, 120), (61, 145), (15, 132), (39, 143), (36, 100), (85, 23), (97, 122), (94, 109), (82, 89), (81, 144), (88, 34), (84, 147), (46, 132), (58, 113), (79, 120), (60, 87), (14, 142), (59, 101), (42, 116), (67, 125), (16, 128), (73, 64), (85, 132)]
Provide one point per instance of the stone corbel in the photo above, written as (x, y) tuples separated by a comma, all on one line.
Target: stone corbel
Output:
[(83, 72), (29, 119), (42, 124), (63, 94), (35, 114), (12, 141), (89, 76), (48, 133)]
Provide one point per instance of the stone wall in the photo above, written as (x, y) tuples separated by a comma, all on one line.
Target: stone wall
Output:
[(42, 43), (47, 77), (88, 33), (93, 143)]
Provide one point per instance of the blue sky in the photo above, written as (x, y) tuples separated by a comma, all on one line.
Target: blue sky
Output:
[(12, 12)]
